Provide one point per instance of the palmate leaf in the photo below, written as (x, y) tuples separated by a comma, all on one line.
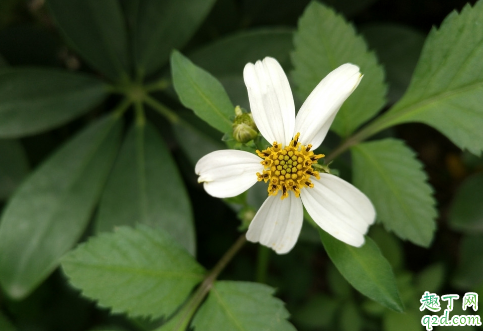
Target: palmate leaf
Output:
[(235, 306), (145, 187), (141, 272), (50, 210), (35, 100), (323, 42), (226, 57), (201, 92), (446, 91), (390, 175), (13, 166), (366, 269), (161, 26), (96, 30)]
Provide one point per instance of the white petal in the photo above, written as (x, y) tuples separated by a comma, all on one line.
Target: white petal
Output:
[(277, 223), (339, 208), (319, 110), (228, 173), (271, 100)]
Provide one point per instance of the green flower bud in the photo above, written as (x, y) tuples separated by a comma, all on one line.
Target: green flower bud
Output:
[(244, 128)]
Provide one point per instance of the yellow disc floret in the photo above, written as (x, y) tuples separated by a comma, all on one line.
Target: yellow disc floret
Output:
[(288, 169)]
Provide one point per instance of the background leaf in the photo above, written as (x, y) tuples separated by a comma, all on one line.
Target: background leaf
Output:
[(161, 26), (141, 272), (35, 100), (145, 187), (13, 166), (241, 306), (96, 30), (466, 213), (201, 92), (398, 48), (469, 274), (388, 172), (50, 210), (226, 58), (446, 89), (5, 324), (366, 269), (323, 42)]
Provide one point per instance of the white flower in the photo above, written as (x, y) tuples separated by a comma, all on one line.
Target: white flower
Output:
[(335, 205)]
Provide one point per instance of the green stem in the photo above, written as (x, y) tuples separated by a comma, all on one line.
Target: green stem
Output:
[(262, 263), (184, 316), (162, 109), (140, 118), (374, 127), (157, 86), (121, 107)]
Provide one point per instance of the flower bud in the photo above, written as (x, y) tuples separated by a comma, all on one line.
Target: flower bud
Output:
[(244, 128)]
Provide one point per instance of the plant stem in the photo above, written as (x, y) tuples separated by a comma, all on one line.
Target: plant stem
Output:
[(121, 107), (187, 312), (262, 263), (162, 109), (374, 127)]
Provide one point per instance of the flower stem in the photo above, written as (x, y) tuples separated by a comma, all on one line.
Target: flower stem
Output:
[(262, 263), (182, 319), (162, 109), (121, 107)]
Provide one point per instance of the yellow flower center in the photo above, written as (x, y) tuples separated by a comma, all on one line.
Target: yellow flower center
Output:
[(288, 169)]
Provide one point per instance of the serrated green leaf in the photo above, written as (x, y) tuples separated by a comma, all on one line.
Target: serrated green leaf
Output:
[(141, 272), (323, 42), (13, 166), (241, 306), (96, 30), (145, 187), (446, 91), (390, 175), (469, 274), (201, 92), (366, 269), (35, 100), (466, 212), (226, 58), (50, 210), (161, 26), (398, 48)]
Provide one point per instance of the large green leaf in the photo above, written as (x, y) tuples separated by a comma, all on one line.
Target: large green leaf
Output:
[(446, 91), (13, 166), (398, 48), (323, 42), (388, 172), (226, 58), (201, 92), (145, 187), (466, 213), (141, 272), (35, 100), (236, 306), (161, 26), (50, 210), (96, 29), (366, 269)]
